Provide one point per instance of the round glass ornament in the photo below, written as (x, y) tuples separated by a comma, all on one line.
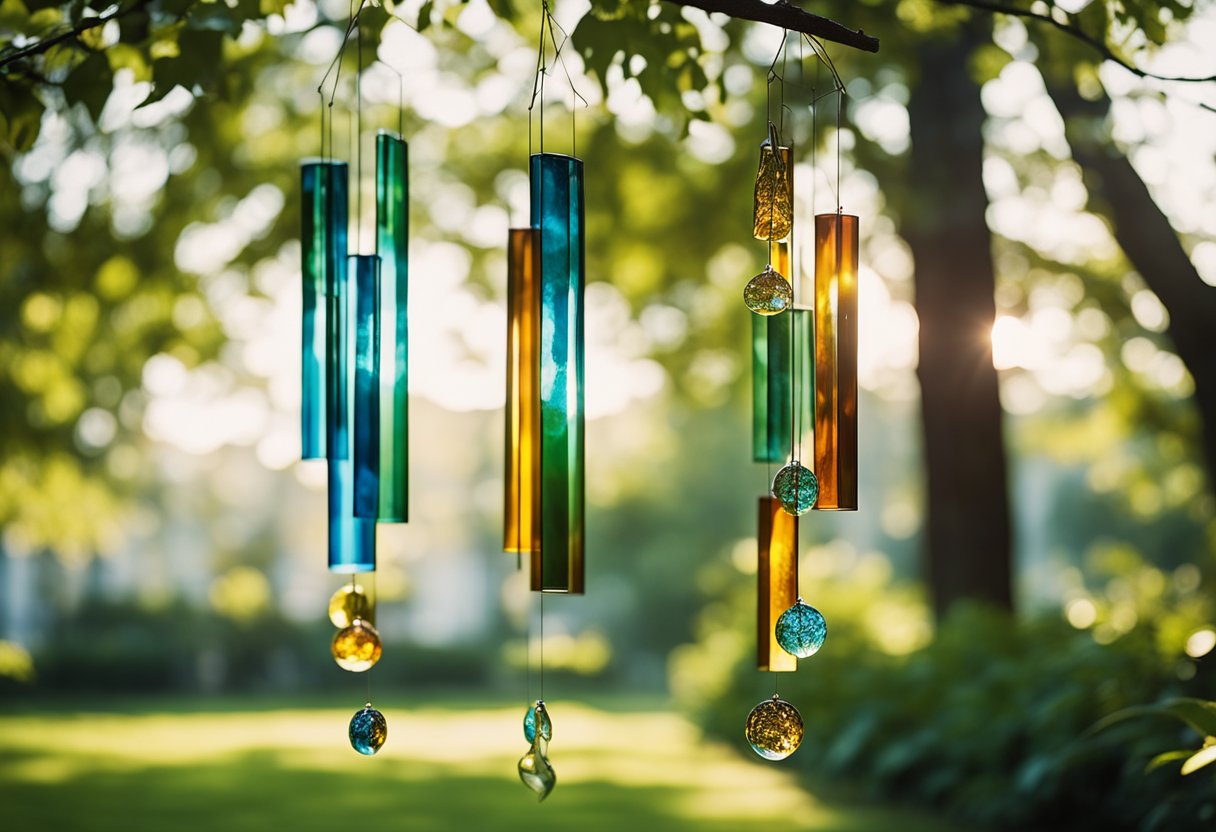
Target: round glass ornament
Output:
[(546, 724), (796, 487), (801, 630), (774, 729), (768, 293), (357, 647), (368, 730), (347, 604)]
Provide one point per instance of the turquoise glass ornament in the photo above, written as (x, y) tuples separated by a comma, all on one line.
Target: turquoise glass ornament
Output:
[(368, 730), (774, 729), (768, 293), (796, 488), (801, 630), (534, 713)]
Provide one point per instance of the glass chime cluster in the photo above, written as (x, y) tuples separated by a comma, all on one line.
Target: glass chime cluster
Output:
[(804, 363), (354, 395)]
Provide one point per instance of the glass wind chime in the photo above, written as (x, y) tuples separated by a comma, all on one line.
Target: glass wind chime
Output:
[(799, 353), (354, 396), (543, 475)]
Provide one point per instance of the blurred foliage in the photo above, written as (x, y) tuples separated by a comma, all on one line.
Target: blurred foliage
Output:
[(990, 722), (1199, 714)]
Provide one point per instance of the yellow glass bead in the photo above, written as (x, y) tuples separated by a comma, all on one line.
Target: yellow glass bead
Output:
[(347, 604), (774, 728), (768, 293), (357, 647)]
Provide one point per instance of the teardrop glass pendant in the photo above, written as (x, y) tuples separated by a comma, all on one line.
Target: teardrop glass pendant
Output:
[(768, 293)]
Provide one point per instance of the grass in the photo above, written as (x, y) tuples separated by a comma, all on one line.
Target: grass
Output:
[(445, 767)]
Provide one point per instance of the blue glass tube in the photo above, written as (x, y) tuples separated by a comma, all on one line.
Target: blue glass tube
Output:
[(323, 201), (392, 244), (352, 540), (557, 211), (365, 408), (337, 310)]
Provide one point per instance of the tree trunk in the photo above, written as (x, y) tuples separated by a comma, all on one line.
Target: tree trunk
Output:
[(1148, 240), (968, 537)]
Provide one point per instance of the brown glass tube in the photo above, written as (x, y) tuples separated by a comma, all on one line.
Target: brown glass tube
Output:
[(773, 211), (836, 361), (777, 582), (521, 475)]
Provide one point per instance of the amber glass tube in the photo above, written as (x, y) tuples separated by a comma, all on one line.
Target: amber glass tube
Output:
[(521, 531), (777, 582), (836, 361)]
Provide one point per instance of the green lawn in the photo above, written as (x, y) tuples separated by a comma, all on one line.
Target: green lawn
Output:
[(443, 768)]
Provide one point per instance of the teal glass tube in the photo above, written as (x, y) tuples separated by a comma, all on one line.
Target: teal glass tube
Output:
[(557, 211), (352, 540), (365, 409), (392, 244), (323, 189), (337, 309)]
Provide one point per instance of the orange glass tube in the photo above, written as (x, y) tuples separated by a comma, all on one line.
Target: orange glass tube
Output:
[(521, 475), (777, 577), (836, 361)]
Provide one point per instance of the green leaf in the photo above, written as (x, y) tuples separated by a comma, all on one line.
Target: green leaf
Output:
[(424, 15), (90, 84), (1202, 757), (20, 116), (1198, 713), (1167, 757)]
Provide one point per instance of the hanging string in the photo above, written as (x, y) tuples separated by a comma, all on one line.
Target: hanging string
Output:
[(359, 135)]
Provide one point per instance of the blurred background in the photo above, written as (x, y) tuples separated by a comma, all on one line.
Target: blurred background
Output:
[(1035, 546)]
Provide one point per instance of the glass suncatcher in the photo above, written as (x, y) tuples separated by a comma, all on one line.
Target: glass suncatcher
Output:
[(323, 200), (521, 481), (836, 361), (557, 213)]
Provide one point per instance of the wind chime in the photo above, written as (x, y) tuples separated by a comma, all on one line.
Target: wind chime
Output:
[(354, 395), (797, 352), (543, 474)]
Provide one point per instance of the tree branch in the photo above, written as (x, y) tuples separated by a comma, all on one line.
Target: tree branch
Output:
[(787, 16), (55, 40), (1068, 28)]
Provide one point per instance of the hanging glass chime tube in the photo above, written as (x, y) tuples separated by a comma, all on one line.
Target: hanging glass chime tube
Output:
[(777, 582), (392, 244), (836, 250), (365, 429), (352, 540), (521, 471), (323, 198), (773, 212), (557, 211)]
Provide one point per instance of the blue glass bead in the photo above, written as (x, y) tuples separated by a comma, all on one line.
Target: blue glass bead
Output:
[(801, 630), (796, 487), (546, 725), (368, 730)]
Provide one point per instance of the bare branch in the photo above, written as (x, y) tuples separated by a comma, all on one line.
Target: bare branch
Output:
[(787, 16), (1097, 44)]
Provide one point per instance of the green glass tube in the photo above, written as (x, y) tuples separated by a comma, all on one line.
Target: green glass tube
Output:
[(557, 211), (782, 386), (323, 200), (365, 411), (392, 244)]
